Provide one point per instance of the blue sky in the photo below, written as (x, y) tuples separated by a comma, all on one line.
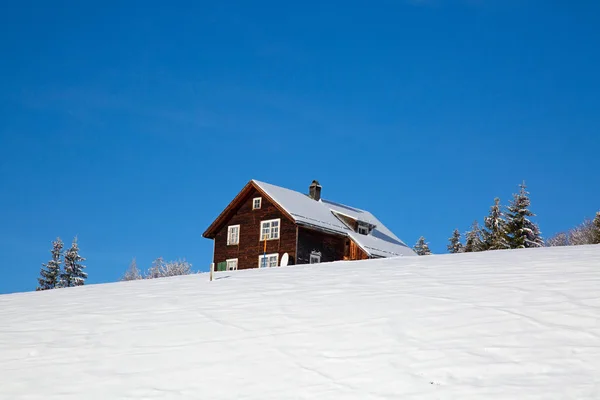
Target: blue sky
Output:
[(132, 124)]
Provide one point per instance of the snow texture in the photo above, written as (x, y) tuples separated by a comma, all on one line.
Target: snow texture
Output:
[(508, 324), (381, 242)]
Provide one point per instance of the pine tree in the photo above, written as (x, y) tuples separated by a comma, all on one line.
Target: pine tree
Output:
[(494, 234), (50, 275), (73, 274), (521, 232), (455, 245), (421, 247), (474, 240), (132, 273), (597, 228)]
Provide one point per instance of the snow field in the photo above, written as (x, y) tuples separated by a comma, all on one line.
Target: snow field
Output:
[(513, 324)]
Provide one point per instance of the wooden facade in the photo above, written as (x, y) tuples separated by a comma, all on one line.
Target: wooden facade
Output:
[(250, 247), (299, 242), (329, 247), (353, 252)]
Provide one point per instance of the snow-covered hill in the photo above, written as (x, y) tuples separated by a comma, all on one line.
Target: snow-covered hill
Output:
[(508, 324)]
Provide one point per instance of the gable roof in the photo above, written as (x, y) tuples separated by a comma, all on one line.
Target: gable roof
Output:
[(381, 242)]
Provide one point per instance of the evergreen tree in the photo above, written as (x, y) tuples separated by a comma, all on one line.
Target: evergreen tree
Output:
[(421, 247), (474, 240), (521, 232), (132, 273), (73, 274), (455, 245), (50, 275), (597, 228), (494, 234)]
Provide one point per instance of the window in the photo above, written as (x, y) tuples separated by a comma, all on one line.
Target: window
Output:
[(256, 203), (269, 260), (233, 234), (315, 257), (363, 229), (232, 264), (269, 230)]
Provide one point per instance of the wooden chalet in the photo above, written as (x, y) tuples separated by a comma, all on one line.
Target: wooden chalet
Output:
[(264, 222)]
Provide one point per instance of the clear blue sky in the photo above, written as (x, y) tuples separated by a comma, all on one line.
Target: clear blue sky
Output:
[(132, 124)]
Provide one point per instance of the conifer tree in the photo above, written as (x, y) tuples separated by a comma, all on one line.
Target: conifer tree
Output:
[(597, 228), (73, 274), (474, 240), (421, 247), (132, 273), (521, 232), (494, 234), (455, 245), (50, 274)]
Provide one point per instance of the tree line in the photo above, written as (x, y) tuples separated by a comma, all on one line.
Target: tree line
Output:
[(513, 229), (52, 276), (159, 269), (66, 269)]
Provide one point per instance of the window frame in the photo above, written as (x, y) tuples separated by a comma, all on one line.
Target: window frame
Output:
[(270, 234), (316, 255), (362, 229), (259, 203), (227, 265), (268, 257), (229, 229)]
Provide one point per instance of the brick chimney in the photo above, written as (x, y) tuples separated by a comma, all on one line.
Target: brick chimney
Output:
[(314, 190)]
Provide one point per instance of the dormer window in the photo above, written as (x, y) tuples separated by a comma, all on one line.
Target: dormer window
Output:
[(362, 228), (256, 203)]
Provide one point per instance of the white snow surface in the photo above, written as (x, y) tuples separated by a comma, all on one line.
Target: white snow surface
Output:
[(511, 324), (381, 242)]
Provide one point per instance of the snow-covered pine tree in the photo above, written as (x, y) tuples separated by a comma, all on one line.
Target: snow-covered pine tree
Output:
[(73, 274), (521, 232), (51, 271), (494, 233), (474, 240), (455, 246), (132, 273), (421, 247)]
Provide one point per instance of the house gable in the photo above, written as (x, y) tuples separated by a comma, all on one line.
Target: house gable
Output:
[(246, 218), (248, 193)]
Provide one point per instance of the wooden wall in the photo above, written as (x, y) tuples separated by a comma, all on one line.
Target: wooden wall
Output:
[(353, 252), (330, 246), (249, 247)]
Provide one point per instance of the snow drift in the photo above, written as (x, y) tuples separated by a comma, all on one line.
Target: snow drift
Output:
[(515, 324)]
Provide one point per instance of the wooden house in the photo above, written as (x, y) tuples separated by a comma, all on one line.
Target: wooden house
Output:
[(264, 222)]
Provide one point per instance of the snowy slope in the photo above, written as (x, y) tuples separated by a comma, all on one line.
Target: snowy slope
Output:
[(497, 325)]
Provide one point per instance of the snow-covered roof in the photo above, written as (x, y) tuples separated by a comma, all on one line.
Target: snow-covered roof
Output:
[(380, 242)]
